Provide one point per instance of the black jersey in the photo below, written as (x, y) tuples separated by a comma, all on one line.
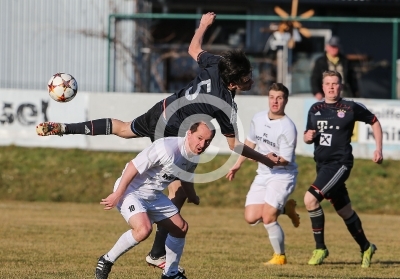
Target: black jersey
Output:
[(205, 96), (334, 124)]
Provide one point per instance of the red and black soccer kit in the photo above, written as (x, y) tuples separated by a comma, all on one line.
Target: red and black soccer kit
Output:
[(334, 124), (203, 99)]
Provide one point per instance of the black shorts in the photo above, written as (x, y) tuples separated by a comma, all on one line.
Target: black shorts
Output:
[(330, 183), (152, 124)]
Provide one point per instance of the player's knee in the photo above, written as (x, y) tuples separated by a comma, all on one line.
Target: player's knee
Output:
[(251, 220), (312, 199), (268, 219), (185, 228), (142, 232), (122, 129), (180, 231), (251, 216)]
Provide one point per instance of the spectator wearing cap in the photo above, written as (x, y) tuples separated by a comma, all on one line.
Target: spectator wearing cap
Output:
[(334, 60)]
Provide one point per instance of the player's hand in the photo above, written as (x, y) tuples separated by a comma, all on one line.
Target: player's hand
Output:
[(195, 201), (231, 173), (273, 157), (310, 135), (111, 201), (378, 157), (208, 19)]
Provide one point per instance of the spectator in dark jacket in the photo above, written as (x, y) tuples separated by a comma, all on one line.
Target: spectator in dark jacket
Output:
[(334, 60)]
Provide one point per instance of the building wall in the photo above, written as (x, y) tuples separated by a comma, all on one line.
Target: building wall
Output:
[(43, 37)]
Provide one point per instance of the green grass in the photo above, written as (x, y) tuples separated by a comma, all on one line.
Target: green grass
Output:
[(75, 175), (47, 240)]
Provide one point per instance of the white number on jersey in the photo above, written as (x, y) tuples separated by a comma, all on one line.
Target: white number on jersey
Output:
[(191, 97)]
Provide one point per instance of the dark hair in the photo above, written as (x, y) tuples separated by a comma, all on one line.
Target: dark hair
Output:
[(280, 87), (194, 126), (332, 74), (233, 66)]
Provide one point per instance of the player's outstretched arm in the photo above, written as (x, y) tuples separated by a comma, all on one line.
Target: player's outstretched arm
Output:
[(236, 146), (377, 131), (197, 40)]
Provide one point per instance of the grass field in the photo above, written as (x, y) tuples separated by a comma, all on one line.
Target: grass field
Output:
[(63, 240), (75, 175)]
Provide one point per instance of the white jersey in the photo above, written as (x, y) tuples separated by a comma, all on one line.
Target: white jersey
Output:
[(278, 136), (158, 165)]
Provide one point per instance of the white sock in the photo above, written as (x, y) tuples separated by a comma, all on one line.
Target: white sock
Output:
[(123, 245), (276, 237), (174, 249)]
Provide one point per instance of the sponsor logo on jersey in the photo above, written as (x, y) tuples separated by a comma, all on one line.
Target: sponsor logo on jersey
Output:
[(265, 140), (168, 177), (341, 113), (325, 139), (322, 125), (318, 113)]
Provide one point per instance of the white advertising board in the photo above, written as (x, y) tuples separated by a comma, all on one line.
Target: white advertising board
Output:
[(22, 110)]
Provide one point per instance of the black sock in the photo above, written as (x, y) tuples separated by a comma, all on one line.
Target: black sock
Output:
[(317, 217), (158, 249), (92, 128), (355, 228)]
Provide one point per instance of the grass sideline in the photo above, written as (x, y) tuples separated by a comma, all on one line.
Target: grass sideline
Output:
[(75, 175), (44, 240)]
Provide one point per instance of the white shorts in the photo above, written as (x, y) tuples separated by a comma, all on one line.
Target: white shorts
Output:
[(273, 189), (157, 209)]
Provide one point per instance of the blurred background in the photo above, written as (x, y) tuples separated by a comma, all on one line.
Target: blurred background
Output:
[(141, 46)]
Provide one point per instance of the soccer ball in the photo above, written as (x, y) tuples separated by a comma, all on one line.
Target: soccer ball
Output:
[(62, 87)]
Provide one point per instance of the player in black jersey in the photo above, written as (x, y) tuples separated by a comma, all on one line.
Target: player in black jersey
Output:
[(210, 95), (330, 125)]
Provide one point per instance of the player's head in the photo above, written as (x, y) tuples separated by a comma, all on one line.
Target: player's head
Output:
[(332, 74), (278, 96), (199, 136), (235, 70), (331, 85), (276, 86)]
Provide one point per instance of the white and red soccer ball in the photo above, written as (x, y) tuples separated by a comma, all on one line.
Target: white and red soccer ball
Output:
[(62, 87)]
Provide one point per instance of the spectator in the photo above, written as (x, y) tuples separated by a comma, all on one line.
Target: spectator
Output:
[(334, 60)]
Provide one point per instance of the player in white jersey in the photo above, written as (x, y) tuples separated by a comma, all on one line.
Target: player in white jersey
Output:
[(139, 198), (275, 135)]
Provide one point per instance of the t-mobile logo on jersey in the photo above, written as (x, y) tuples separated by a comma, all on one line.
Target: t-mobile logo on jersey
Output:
[(321, 125)]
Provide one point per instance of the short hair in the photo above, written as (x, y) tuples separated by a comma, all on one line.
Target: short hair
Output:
[(194, 126), (233, 66), (276, 86), (332, 74)]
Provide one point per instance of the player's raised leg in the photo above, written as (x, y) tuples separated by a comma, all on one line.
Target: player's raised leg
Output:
[(104, 126)]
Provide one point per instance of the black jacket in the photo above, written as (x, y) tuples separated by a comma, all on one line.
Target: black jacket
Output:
[(321, 65)]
